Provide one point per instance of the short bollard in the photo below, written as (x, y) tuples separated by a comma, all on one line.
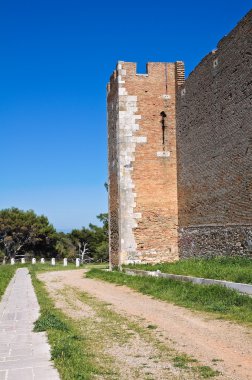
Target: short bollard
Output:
[(53, 261), (33, 260), (77, 262), (42, 260), (65, 262), (12, 261), (23, 260)]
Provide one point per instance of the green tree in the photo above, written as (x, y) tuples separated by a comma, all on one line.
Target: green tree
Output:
[(25, 233), (65, 246), (93, 239), (101, 251)]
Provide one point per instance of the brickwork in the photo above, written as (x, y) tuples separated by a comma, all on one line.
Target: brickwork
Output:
[(142, 163), (180, 156), (214, 134), (113, 117)]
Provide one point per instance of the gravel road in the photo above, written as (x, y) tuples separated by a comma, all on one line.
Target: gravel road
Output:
[(225, 344)]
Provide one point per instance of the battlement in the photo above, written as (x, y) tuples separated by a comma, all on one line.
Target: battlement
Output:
[(154, 71)]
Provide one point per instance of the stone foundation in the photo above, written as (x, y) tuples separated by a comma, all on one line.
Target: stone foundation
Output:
[(210, 241)]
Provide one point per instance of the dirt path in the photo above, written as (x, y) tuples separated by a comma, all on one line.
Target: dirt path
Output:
[(226, 345)]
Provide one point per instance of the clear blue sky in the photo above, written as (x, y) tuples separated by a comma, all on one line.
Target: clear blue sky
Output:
[(56, 57)]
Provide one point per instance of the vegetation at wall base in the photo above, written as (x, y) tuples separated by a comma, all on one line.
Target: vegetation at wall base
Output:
[(220, 301), (6, 274), (234, 269)]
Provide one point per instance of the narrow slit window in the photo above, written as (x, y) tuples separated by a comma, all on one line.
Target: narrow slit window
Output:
[(163, 115)]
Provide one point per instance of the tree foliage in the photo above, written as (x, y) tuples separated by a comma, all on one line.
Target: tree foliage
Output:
[(24, 232), (95, 237), (65, 246)]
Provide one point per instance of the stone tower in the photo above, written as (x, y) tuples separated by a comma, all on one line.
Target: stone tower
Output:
[(143, 204)]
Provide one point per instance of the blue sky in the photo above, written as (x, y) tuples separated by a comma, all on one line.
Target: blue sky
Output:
[(56, 58)]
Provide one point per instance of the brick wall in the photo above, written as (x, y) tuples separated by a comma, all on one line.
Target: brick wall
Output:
[(143, 163), (113, 117), (214, 142)]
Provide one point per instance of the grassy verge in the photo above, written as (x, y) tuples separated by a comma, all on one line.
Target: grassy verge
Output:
[(83, 348), (6, 274), (107, 330), (221, 268), (47, 267), (224, 303), (70, 349)]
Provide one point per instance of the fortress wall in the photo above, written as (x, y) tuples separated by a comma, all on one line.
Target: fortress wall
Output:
[(142, 163), (214, 144), (113, 119)]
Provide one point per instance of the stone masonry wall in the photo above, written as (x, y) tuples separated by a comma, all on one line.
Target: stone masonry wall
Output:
[(214, 143), (142, 163), (113, 120)]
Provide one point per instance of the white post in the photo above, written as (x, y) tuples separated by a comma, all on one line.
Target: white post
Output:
[(65, 262), (33, 260), (53, 261), (42, 260), (23, 260), (12, 261), (77, 262)]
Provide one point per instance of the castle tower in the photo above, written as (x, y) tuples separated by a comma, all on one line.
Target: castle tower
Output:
[(143, 207)]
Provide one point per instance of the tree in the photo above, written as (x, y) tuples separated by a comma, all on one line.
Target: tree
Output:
[(92, 241), (24, 232), (83, 241), (83, 250), (100, 234), (65, 246)]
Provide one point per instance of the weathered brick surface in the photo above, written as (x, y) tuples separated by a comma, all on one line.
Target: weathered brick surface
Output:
[(113, 116), (185, 189), (214, 135), (142, 163)]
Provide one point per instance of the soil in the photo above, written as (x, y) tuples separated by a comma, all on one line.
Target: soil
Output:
[(222, 345)]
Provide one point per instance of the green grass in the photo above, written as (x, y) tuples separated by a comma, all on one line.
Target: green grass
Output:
[(78, 347), (183, 361), (222, 268), (206, 372), (47, 267), (70, 348), (220, 301), (6, 274), (50, 320), (111, 327)]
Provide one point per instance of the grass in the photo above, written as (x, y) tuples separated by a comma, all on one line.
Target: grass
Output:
[(80, 348), (110, 327), (47, 267), (221, 268), (6, 274), (70, 348), (220, 301), (206, 372), (7, 271)]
